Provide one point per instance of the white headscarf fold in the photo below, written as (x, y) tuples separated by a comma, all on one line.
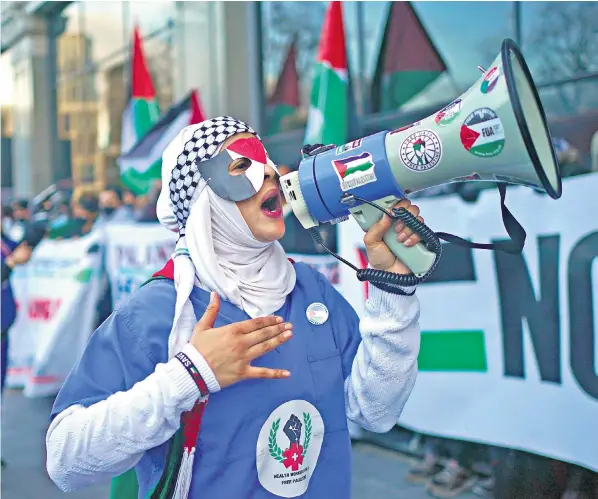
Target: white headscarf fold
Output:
[(219, 253)]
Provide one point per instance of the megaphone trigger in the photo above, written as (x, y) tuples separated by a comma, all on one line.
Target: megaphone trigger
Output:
[(420, 258)]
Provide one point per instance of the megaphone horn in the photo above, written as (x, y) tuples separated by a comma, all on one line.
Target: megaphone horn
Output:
[(496, 131)]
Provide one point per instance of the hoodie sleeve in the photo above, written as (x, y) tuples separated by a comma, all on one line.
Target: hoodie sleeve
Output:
[(379, 354)]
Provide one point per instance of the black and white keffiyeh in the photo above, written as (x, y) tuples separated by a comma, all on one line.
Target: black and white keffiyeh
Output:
[(215, 250), (203, 144)]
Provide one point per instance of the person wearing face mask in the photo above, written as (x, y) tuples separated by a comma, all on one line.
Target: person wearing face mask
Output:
[(112, 208), (20, 217), (252, 400)]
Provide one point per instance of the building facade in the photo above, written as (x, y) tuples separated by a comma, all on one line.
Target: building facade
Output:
[(67, 63)]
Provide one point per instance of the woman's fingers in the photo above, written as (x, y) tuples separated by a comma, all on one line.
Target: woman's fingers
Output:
[(265, 373), (268, 345), (251, 325), (405, 234), (265, 334)]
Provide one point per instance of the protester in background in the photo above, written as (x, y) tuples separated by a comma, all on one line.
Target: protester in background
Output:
[(85, 212), (112, 209), (430, 464), (7, 220), (569, 158), (129, 200), (20, 216), (12, 255)]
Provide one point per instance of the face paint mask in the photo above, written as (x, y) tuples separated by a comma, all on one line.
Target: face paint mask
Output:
[(245, 177)]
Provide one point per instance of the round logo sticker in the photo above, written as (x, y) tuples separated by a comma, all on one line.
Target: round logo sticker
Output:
[(482, 133), (288, 448), (317, 313), (449, 113), (421, 151), (489, 81)]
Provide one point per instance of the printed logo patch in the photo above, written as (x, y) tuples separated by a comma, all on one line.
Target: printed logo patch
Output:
[(317, 313), (406, 127), (355, 171), (288, 448), (347, 147), (449, 113), (490, 80), (421, 151), (482, 133)]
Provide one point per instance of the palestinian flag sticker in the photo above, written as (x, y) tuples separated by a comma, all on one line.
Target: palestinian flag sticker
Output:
[(355, 171), (482, 133), (449, 113), (490, 80)]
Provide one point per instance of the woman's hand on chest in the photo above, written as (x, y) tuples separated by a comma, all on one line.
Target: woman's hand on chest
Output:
[(229, 350)]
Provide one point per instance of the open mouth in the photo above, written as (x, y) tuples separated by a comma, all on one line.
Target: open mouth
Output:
[(271, 206)]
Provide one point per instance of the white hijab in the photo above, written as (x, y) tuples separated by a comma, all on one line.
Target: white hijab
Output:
[(219, 253)]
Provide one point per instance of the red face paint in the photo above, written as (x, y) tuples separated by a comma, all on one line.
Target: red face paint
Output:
[(251, 148)]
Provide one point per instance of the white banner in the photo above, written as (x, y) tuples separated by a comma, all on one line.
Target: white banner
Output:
[(134, 253), (56, 294), (509, 352)]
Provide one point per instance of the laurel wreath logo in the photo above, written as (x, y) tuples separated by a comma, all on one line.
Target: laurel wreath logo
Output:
[(273, 447), (307, 423)]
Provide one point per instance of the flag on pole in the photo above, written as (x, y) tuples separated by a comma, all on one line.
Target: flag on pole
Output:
[(329, 113), (407, 62), (142, 165), (284, 102), (141, 111)]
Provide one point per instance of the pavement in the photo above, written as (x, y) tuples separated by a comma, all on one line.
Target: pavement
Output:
[(378, 473)]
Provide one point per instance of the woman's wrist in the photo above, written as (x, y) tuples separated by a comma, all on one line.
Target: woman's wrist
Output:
[(194, 373), (202, 367)]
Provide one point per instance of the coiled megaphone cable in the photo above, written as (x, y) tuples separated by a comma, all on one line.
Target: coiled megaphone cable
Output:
[(382, 279)]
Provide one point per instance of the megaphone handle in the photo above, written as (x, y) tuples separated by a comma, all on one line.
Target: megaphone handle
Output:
[(417, 258)]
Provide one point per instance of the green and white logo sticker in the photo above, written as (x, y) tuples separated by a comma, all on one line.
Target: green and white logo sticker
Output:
[(449, 113), (490, 80), (421, 151), (482, 133), (288, 448)]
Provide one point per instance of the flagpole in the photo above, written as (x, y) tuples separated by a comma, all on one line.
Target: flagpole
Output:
[(517, 19), (363, 98), (127, 40)]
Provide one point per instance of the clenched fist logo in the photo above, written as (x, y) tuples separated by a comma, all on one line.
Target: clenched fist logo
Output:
[(293, 429)]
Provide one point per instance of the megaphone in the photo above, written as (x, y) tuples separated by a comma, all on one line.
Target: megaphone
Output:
[(496, 131)]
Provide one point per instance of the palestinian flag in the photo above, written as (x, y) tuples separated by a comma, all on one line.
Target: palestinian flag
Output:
[(355, 171), (329, 114), (284, 102), (142, 165), (407, 62), (142, 110)]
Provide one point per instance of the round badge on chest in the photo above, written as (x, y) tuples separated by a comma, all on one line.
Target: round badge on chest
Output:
[(317, 313)]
